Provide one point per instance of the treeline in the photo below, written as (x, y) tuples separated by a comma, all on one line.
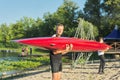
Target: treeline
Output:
[(103, 14)]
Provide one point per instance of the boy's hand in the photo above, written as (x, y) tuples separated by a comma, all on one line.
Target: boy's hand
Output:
[(69, 47)]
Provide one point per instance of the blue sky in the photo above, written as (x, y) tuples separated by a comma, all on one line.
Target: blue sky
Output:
[(13, 10)]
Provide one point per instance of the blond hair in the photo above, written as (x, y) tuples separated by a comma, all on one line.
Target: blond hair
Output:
[(59, 24)]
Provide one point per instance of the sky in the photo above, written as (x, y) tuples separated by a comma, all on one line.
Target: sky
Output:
[(13, 10)]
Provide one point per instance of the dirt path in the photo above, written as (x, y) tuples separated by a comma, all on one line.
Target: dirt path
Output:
[(88, 72)]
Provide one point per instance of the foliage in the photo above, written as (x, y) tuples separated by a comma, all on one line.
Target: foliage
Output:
[(103, 13), (66, 14), (86, 30), (66, 60), (92, 11), (22, 64), (14, 63), (5, 33)]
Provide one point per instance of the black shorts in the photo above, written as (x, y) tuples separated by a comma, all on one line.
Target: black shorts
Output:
[(55, 62)]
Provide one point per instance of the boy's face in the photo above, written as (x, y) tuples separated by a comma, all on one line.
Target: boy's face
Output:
[(59, 30)]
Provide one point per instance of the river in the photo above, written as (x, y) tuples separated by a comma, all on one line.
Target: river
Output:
[(5, 53)]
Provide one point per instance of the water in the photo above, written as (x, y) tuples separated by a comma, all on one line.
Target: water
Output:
[(8, 54)]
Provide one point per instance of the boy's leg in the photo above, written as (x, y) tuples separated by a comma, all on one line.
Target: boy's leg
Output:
[(56, 76)]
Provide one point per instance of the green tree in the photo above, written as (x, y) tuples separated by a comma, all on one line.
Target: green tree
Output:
[(67, 14), (112, 10), (27, 25), (50, 20), (17, 30), (37, 28), (92, 12), (5, 33), (103, 13), (25, 28), (111, 15)]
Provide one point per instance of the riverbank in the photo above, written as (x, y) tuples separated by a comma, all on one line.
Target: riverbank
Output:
[(87, 72), (19, 50)]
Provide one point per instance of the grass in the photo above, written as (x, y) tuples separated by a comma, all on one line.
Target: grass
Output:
[(22, 63), (14, 63)]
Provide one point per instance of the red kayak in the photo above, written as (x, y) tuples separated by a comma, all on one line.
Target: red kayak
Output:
[(54, 43)]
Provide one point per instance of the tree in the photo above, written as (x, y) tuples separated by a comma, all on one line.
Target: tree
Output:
[(112, 10), (26, 28), (50, 20), (37, 28), (67, 14), (111, 15), (5, 33), (17, 30), (92, 11), (27, 25), (103, 13)]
